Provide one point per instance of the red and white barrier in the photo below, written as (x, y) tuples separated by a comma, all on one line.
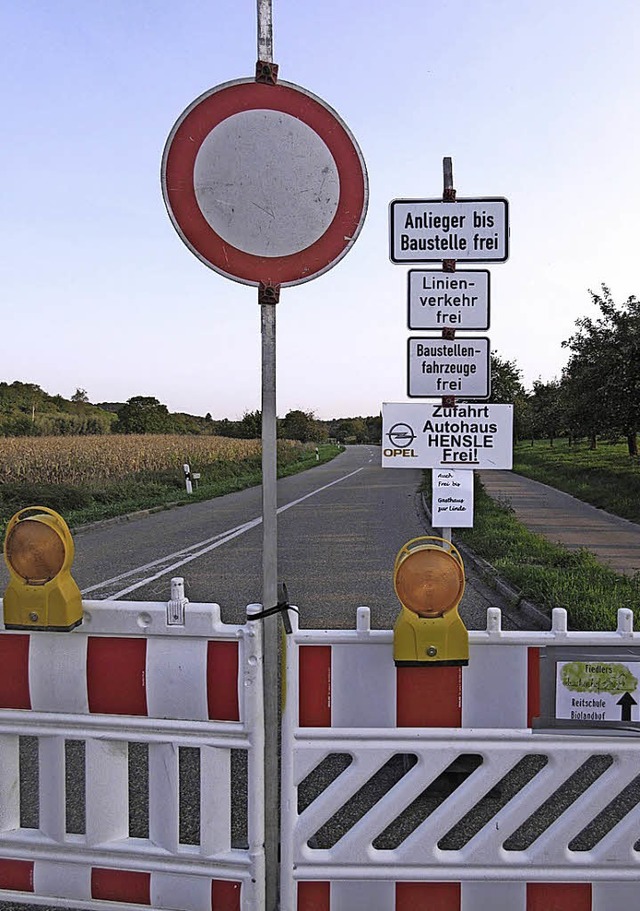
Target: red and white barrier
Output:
[(131, 674), (465, 896), (345, 698), (97, 887)]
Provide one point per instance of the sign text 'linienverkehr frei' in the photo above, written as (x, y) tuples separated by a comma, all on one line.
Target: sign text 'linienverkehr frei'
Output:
[(448, 300), (425, 435), (429, 230)]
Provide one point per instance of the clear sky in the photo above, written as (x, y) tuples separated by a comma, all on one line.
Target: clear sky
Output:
[(534, 100)]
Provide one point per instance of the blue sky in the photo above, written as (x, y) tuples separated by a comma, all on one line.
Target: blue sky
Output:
[(534, 101)]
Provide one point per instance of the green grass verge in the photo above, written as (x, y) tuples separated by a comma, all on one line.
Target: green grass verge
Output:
[(606, 477), (149, 490), (547, 574)]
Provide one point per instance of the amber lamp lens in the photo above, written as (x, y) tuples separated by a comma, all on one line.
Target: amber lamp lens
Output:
[(35, 551), (429, 582)]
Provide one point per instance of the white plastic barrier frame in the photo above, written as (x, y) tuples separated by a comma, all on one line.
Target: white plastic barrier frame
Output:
[(132, 674), (342, 694)]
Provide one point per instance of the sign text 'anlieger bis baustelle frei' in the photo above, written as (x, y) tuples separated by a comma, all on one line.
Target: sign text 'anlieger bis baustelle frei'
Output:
[(430, 230), (425, 435)]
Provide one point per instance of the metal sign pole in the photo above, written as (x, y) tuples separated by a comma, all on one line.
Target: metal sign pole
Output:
[(448, 265), (269, 599), (312, 236), (268, 299)]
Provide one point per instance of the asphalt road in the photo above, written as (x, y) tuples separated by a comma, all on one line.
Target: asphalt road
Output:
[(340, 527)]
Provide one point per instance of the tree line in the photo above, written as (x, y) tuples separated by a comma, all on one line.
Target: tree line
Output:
[(597, 396), (27, 410), (598, 393)]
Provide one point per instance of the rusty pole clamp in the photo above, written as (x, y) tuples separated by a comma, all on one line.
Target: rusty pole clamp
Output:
[(266, 72), (268, 293)]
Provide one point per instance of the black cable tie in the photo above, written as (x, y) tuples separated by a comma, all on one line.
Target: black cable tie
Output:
[(282, 607)]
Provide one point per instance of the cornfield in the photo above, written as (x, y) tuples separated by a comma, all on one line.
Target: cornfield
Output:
[(86, 459)]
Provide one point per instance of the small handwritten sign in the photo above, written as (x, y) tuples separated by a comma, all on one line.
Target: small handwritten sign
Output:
[(452, 498)]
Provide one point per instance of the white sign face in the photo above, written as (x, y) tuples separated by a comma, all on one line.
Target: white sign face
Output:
[(460, 367), (451, 498), (421, 435), (592, 691), (429, 230), (248, 190), (451, 300)]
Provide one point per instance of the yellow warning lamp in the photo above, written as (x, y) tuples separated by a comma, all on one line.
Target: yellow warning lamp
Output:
[(428, 578), (38, 550)]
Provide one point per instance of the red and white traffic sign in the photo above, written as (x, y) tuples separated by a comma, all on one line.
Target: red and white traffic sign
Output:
[(264, 183)]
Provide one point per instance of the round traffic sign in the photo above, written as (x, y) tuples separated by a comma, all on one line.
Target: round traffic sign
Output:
[(264, 183)]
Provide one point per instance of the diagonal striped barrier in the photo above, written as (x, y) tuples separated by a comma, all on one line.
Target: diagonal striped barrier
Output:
[(427, 787)]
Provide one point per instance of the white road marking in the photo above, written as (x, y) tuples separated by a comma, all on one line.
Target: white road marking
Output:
[(187, 554)]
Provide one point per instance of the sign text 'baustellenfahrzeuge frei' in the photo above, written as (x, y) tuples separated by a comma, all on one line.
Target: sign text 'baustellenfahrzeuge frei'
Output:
[(429, 230), (441, 367), (422, 435)]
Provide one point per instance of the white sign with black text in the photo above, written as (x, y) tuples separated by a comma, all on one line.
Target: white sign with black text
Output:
[(451, 498), (429, 230), (449, 300), (461, 367), (425, 435)]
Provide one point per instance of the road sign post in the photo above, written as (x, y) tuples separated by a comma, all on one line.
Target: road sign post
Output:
[(266, 185), (446, 231)]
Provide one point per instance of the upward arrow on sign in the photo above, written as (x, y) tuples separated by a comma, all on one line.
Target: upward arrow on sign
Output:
[(626, 701)]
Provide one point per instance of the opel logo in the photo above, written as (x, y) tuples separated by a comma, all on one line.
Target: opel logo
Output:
[(401, 436)]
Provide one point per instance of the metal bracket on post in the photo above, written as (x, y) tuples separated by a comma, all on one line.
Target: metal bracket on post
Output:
[(268, 293), (266, 72)]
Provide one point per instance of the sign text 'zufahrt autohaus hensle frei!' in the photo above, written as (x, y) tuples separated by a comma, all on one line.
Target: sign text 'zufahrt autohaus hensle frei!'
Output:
[(426, 435)]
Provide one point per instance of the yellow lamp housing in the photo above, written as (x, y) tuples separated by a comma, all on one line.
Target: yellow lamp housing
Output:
[(428, 578), (38, 551)]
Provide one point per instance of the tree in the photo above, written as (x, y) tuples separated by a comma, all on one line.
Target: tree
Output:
[(300, 425), (142, 414), (545, 413), (603, 373), (506, 380), (507, 389), (80, 396), (351, 430)]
